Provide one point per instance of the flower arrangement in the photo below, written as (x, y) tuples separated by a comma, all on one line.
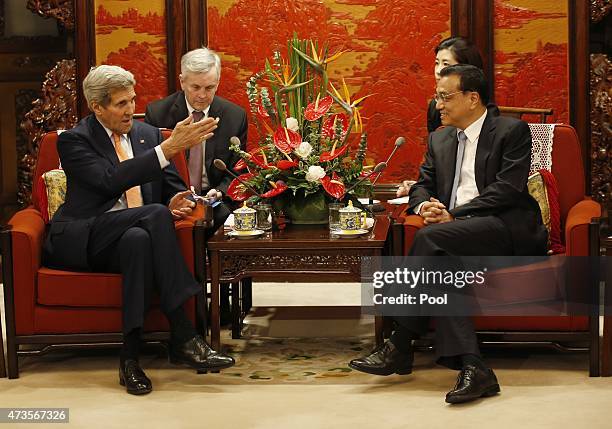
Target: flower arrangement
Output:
[(305, 124)]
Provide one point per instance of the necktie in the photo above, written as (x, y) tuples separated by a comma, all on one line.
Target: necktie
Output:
[(460, 149), (133, 196), (196, 159)]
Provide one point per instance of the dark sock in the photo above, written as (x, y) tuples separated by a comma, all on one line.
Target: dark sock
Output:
[(131, 345), (402, 339), (181, 328), (474, 360)]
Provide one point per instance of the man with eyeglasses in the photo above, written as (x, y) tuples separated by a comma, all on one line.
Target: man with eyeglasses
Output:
[(472, 195)]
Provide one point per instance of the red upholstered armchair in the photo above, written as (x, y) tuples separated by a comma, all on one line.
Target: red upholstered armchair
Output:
[(577, 212), (47, 308)]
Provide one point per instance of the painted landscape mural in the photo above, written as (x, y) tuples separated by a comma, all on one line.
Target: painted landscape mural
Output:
[(391, 56), (531, 55), (132, 34)]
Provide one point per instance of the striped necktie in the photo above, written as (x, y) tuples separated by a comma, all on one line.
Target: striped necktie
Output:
[(196, 159), (133, 196)]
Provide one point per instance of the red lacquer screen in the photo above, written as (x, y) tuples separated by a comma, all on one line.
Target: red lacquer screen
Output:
[(391, 56)]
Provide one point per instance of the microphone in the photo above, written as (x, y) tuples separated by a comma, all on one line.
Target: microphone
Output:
[(235, 140), (398, 143), (379, 167), (379, 207), (221, 166)]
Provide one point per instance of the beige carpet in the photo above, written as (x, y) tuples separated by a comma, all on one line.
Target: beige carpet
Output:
[(291, 373)]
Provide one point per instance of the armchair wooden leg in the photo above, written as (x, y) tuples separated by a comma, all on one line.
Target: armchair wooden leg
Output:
[(9, 308), (2, 363)]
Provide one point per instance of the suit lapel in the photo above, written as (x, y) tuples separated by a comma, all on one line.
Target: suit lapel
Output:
[(178, 111), (139, 146), (483, 150), (101, 141), (448, 162)]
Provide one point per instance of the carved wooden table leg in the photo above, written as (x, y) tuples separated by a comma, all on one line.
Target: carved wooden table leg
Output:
[(215, 322)]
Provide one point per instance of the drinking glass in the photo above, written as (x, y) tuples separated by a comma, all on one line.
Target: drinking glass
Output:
[(334, 215)]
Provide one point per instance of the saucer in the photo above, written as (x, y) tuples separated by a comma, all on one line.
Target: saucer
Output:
[(349, 233), (253, 233)]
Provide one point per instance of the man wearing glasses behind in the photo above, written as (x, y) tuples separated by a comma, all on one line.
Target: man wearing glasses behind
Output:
[(472, 195)]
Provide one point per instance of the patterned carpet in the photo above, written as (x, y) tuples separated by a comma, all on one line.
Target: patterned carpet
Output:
[(295, 360)]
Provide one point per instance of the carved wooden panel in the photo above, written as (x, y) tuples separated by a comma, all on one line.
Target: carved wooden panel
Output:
[(599, 9), (59, 9), (324, 261), (56, 109), (601, 127), (390, 46)]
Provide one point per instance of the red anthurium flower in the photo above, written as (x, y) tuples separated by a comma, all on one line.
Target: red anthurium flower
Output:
[(240, 165), (333, 186), (256, 156), (286, 140), (237, 191), (329, 125), (318, 108), (333, 154), (260, 160), (285, 164), (277, 188)]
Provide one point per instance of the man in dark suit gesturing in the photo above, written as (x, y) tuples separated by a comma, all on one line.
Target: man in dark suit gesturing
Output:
[(472, 194), (122, 195), (200, 74)]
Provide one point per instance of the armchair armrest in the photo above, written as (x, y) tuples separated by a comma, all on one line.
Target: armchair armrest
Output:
[(577, 227), (189, 232), (22, 250), (412, 223)]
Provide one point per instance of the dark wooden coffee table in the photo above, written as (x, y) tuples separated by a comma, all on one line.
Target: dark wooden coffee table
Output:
[(302, 253)]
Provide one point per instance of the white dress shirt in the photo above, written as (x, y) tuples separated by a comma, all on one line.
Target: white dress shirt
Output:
[(127, 148), (467, 189), (205, 182)]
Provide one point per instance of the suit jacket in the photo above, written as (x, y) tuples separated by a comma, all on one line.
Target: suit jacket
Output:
[(165, 113), (503, 158), (95, 179)]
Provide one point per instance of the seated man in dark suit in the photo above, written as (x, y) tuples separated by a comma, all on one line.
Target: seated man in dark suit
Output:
[(122, 196), (472, 194), (200, 74)]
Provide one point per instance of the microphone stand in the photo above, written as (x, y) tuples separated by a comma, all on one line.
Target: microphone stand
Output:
[(377, 207)]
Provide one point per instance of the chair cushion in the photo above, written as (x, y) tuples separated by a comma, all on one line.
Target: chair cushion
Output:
[(543, 188), (51, 193), (78, 289)]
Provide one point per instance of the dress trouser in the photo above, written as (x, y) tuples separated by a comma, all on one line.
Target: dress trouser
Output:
[(476, 236), (140, 244)]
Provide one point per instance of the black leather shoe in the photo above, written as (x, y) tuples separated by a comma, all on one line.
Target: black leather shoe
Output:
[(473, 383), (197, 354), (385, 360), (133, 378)]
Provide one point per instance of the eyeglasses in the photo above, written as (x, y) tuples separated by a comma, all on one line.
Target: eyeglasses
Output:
[(445, 97)]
